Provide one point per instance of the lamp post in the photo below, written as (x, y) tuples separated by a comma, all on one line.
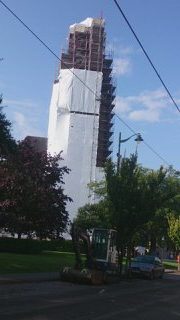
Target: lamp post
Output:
[(138, 139), (163, 239)]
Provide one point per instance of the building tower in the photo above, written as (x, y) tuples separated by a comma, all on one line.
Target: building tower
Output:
[(80, 117)]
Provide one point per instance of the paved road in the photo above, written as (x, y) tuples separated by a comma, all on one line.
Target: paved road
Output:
[(136, 299)]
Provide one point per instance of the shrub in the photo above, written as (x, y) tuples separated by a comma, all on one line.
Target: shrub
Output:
[(29, 246)]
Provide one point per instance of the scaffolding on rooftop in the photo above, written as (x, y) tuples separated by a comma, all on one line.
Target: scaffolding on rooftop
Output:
[(86, 50)]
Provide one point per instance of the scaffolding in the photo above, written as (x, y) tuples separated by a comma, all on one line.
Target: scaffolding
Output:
[(106, 114), (86, 50), (85, 47)]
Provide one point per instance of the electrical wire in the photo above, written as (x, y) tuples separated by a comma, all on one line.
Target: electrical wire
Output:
[(120, 119), (42, 42), (145, 143), (155, 152), (94, 93), (146, 54)]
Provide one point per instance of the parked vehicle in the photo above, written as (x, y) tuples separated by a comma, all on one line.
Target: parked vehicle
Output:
[(147, 266)]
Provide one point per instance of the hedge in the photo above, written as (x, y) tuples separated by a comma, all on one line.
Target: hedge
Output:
[(30, 246)]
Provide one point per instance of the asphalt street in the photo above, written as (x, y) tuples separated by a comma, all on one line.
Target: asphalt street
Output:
[(134, 299)]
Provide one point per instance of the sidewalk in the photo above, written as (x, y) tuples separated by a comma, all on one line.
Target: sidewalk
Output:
[(170, 271), (29, 277)]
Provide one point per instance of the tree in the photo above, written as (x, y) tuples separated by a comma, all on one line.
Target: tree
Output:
[(160, 188), (7, 143), (93, 216), (125, 192), (174, 230), (7, 150), (121, 204), (36, 202), (90, 216), (135, 202)]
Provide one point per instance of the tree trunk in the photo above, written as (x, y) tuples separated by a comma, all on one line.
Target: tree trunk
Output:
[(128, 260), (19, 235), (76, 247), (153, 244), (120, 260)]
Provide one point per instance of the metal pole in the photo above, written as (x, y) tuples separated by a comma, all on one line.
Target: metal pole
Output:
[(119, 153), (136, 149), (138, 139)]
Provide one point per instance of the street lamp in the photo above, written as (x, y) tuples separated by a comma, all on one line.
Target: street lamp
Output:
[(138, 139)]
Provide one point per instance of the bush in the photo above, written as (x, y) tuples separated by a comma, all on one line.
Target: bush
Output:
[(57, 245), (20, 246), (29, 246)]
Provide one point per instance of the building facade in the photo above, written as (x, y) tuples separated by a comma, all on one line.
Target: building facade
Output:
[(39, 144), (80, 116)]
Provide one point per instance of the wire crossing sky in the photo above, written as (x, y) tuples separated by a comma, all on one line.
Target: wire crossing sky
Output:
[(47, 47), (147, 56), (121, 63)]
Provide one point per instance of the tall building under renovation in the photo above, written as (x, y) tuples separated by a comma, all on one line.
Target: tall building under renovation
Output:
[(80, 117)]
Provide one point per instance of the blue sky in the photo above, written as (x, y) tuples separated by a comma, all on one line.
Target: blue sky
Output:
[(28, 69)]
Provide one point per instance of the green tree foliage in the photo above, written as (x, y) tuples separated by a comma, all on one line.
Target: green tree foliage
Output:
[(135, 202), (7, 150), (99, 188), (125, 194), (174, 230), (7, 143), (161, 189), (125, 191), (34, 199), (93, 216)]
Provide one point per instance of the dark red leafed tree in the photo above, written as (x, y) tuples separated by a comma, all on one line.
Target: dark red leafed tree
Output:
[(35, 202)]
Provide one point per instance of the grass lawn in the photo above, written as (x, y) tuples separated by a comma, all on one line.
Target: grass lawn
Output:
[(170, 264), (47, 261)]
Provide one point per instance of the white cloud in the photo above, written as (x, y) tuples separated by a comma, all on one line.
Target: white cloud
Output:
[(122, 105), (19, 103), (25, 126), (20, 119), (27, 117), (147, 106), (145, 115), (121, 66), (125, 50), (117, 49), (122, 57)]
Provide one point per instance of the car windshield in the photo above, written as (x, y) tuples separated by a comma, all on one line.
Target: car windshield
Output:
[(144, 259)]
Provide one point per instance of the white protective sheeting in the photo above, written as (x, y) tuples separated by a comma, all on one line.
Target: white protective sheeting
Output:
[(87, 23), (74, 96), (76, 134), (52, 119), (81, 159)]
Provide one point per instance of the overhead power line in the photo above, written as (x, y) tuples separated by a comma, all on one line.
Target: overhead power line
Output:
[(146, 54), (56, 56), (155, 152), (146, 144), (42, 42)]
